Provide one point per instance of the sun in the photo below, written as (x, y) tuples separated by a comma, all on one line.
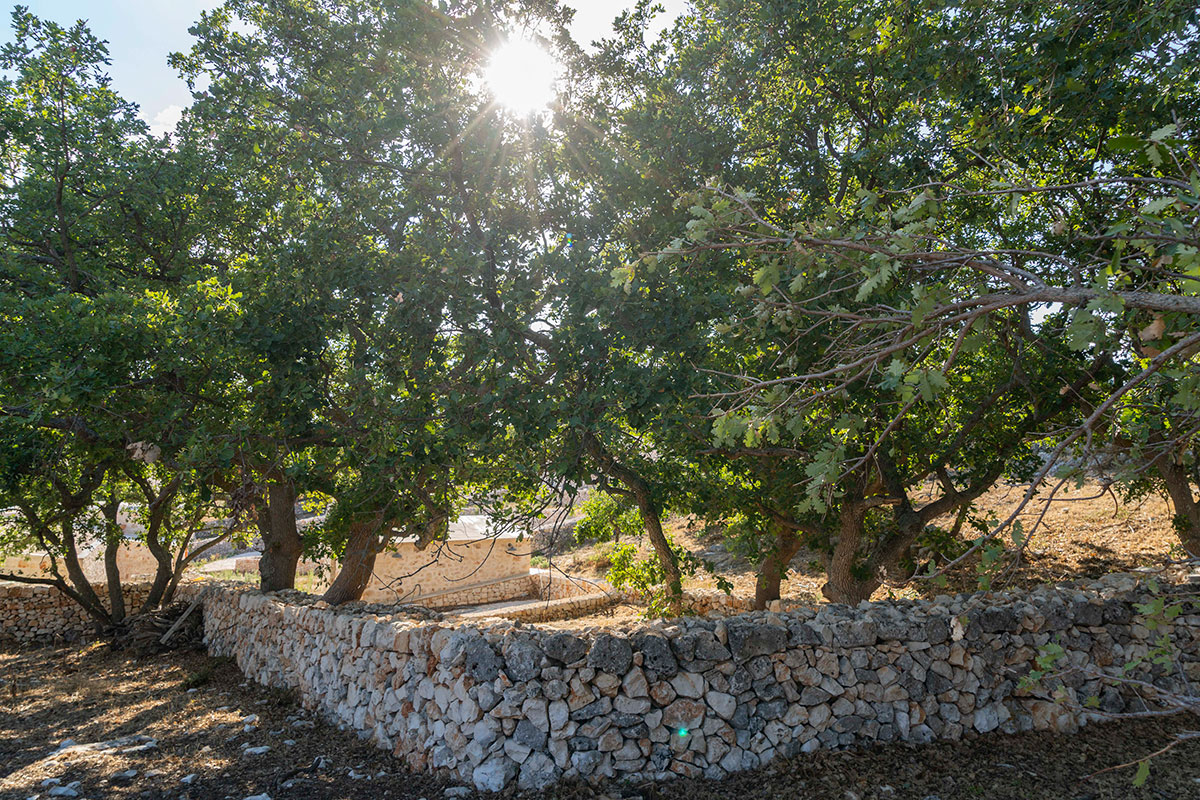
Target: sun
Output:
[(521, 76)]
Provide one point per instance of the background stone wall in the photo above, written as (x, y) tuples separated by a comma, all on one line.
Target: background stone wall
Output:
[(134, 560), (403, 573), (497, 702), (33, 614)]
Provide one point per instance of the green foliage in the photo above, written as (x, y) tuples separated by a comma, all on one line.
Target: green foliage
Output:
[(646, 577), (606, 518)]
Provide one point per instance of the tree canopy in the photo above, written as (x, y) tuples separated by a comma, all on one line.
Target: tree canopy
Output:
[(823, 274)]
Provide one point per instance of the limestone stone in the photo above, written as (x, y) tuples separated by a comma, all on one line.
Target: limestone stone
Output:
[(494, 774), (662, 693), (684, 713), (634, 683), (723, 704), (688, 684)]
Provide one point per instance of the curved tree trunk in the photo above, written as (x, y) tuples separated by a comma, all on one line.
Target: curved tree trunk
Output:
[(162, 573), (112, 546), (282, 547), (1187, 511), (651, 514), (774, 565), (358, 561), (116, 597), (83, 587)]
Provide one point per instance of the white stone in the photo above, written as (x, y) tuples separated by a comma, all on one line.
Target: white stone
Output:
[(723, 704)]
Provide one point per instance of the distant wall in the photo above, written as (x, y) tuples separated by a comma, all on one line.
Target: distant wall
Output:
[(33, 614), (134, 560), (495, 703), (405, 574)]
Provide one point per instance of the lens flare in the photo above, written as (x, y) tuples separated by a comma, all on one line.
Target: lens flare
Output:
[(521, 76)]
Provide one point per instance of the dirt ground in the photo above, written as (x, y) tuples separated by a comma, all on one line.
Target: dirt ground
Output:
[(196, 709)]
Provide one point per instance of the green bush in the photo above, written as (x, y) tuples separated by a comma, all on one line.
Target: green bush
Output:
[(646, 578), (606, 518)]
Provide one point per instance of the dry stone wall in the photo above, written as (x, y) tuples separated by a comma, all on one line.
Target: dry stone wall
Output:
[(39, 614), (496, 702)]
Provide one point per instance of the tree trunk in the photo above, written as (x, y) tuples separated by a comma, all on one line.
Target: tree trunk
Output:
[(358, 561), (112, 546), (282, 547), (163, 572), (843, 581), (1187, 511), (774, 565), (116, 597), (651, 516), (89, 600), (652, 519)]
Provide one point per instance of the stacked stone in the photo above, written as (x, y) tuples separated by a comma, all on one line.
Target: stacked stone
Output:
[(555, 586), (703, 603), (494, 592), (38, 614), (551, 610), (496, 702)]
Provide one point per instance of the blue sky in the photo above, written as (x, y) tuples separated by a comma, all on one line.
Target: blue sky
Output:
[(141, 33)]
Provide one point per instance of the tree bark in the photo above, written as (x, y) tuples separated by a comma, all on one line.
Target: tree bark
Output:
[(112, 546), (842, 581), (1187, 511), (358, 561), (91, 602), (774, 565), (651, 514), (282, 547)]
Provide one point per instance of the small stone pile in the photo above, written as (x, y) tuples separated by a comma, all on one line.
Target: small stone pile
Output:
[(39, 614), (498, 702)]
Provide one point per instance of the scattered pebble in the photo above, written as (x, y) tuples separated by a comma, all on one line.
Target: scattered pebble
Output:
[(458, 791), (250, 719), (46, 784), (125, 775), (188, 780), (290, 742), (256, 751)]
